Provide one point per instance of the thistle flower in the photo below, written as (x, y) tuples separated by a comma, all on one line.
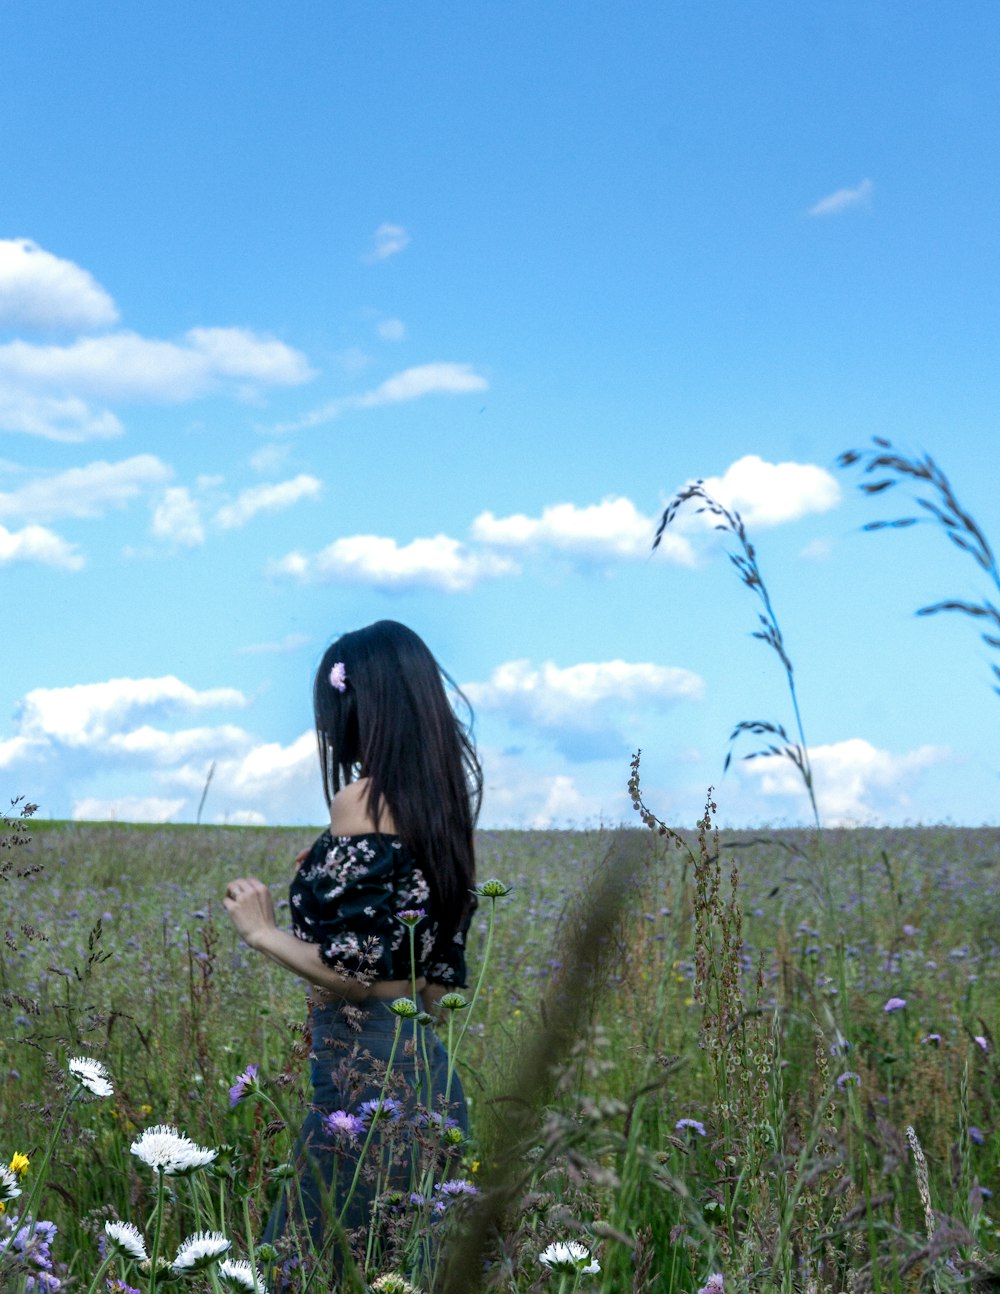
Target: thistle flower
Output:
[(237, 1274), (169, 1152), (569, 1258), (493, 889), (244, 1085), (200, 1251), (92, 1075), (127, 1239), (9, 1189), (895, 1004), (694, 1124), (404, 1007), (343, 1125), (19, 1163)]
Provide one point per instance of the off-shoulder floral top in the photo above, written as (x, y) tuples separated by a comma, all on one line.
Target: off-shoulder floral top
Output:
[(346, 896)]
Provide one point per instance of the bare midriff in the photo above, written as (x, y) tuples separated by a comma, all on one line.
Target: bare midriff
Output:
[(385, 989)]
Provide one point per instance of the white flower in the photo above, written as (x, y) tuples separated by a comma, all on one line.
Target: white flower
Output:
[(125, 1236), (237, 1274), (571, 1257), (92, 1075), (168, 1151), (9, 1189), (199, 1250)]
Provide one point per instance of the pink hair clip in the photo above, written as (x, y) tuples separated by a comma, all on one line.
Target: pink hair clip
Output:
[(338, 677)]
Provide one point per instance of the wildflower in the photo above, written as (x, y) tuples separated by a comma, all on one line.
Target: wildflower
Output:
[(9, 1189), (381, 1109), (237, 1274), (849, 1079), (980, 1041), (338, 676), (404, 1007), (126, 1238), (895, 1004), (91, 1075), (453, 1002), (341, 1124), (976, 1135), (119, 1287), (169, 1152), (694, 1124), (493, 889), (200, 1250), (935, 1038), (447, 1192), (910, 931), (411, 916), (19, 1163), (569, 1258), (713, 1285), (244, 1085), (391, 1283)]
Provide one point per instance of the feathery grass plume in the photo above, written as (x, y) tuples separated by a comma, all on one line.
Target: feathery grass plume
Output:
[(940, 503), (14, 837), (744, 560), (923, 1185)]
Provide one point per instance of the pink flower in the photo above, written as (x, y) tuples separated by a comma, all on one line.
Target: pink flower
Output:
[(338, 677), (980, 1041), (713, 1285), (895, 1004)]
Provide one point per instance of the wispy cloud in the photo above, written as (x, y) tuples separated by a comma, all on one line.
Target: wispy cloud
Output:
[(84, 491), (438, 562), (177, 518), (40, 290), (267, 498), (126, 808), (411, 384), (290, 643), (388, 240), (391, 329), (843, 199)]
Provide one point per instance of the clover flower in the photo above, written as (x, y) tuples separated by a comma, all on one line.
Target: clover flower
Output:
[(894, 1004), (237, 1274), (713, 1285), (9, 1189), (343, 1125), (694, 1124), (91, 1075), (569, 1258), (127, 1239), (169, 1152), (244, 1085), (200, 1251), (493, 889), (849, 1079)]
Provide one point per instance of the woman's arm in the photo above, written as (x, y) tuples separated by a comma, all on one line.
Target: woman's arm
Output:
[(248, 902)]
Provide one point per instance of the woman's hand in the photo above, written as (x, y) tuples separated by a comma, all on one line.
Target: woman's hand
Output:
[(248, 902)]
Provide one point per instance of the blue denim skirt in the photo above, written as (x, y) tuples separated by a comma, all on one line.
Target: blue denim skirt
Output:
[(352, 1048)]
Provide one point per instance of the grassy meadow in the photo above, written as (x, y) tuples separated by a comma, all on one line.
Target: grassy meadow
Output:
[(685, 1081)]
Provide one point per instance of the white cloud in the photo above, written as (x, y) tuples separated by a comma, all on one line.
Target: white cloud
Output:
[(391, 329), (241, 818), (588, 709), (37, 544), (855, 781), (40, 290), (842, 199), (127, 808), (769, 494), (268, 778), (438, 562), (84, 491), (125, 366), (387, 241), (411, 384), (269, 458), (817, 550), (177, 519), (290, 643), (87, 715), (60, 418), (267, 498), (159, 747), (611, 530)]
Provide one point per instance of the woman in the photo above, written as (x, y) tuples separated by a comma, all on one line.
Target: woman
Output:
[(403, 786)]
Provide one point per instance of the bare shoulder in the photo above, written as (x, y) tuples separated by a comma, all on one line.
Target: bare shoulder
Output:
[(350, 815)]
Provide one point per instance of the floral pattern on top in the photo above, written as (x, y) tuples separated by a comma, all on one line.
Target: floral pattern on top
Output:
[(345, 897)]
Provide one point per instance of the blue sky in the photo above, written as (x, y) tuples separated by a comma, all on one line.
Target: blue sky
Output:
[(316, 315)]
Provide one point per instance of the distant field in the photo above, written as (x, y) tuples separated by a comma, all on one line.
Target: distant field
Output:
[(722, 1025)]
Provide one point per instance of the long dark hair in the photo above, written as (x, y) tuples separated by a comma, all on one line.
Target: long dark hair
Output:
[(394, 724)]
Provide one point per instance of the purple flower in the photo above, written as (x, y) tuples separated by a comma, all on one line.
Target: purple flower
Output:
[(976, 1135), (458, 1186), (247, 1082), (411, 916), (713, 1285), (910, 931), (338, 676), (849, 1079), (980, 1041), (343, 1125), (379, 1110), (895, 1004), (119, 1287), (935, 1038), (693, 1124)]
